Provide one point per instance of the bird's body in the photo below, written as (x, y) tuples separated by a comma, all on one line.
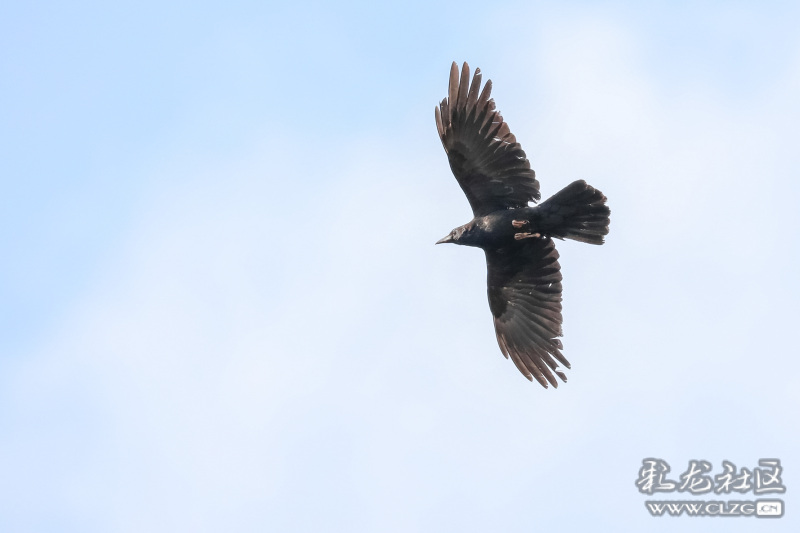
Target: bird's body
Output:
[(524, 278), (492, 230)]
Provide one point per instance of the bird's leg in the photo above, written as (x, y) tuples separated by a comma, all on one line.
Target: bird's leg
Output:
[(524, 235)]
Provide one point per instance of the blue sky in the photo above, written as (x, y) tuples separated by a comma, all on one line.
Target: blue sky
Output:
[(221, 306)]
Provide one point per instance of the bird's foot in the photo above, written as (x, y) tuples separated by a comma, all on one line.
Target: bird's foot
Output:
[(520, 236), (519, 223)]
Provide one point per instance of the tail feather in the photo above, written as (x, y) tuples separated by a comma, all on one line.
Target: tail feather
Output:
[(578, 212)]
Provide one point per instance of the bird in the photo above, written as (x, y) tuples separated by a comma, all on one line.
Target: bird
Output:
[(523, 273)]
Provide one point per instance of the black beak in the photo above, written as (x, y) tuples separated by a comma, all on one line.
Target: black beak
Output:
[(448, 238)]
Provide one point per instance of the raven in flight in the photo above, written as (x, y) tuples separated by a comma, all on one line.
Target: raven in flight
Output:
[(524, 276)]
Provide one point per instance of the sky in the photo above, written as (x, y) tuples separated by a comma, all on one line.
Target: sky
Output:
[(221, 308)]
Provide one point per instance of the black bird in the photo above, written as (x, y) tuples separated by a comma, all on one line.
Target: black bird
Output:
[(524, 276)]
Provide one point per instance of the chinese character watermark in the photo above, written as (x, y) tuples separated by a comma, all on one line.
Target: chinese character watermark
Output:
[(698, 479)]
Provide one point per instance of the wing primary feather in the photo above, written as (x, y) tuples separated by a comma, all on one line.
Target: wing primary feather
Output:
[(486, 92), (472, 97), (502, 343), (524, 361), (462, 89), (541, 349), (536, 363), (544, 350), (521, 367), (560, 357), (452, 91)]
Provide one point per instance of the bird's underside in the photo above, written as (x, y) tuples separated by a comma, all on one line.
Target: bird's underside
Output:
[(524, 277)]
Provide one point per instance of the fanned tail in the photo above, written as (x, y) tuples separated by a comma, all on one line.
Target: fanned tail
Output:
[(578, 212)]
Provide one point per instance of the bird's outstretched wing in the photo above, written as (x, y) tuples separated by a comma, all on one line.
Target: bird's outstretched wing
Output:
[(486, 159), (525, 299)]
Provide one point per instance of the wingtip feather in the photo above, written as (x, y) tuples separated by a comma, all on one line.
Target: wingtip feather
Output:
[(452, 88), (463, 86)]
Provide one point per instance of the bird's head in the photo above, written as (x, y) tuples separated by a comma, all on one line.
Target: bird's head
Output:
[(465, 235)]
